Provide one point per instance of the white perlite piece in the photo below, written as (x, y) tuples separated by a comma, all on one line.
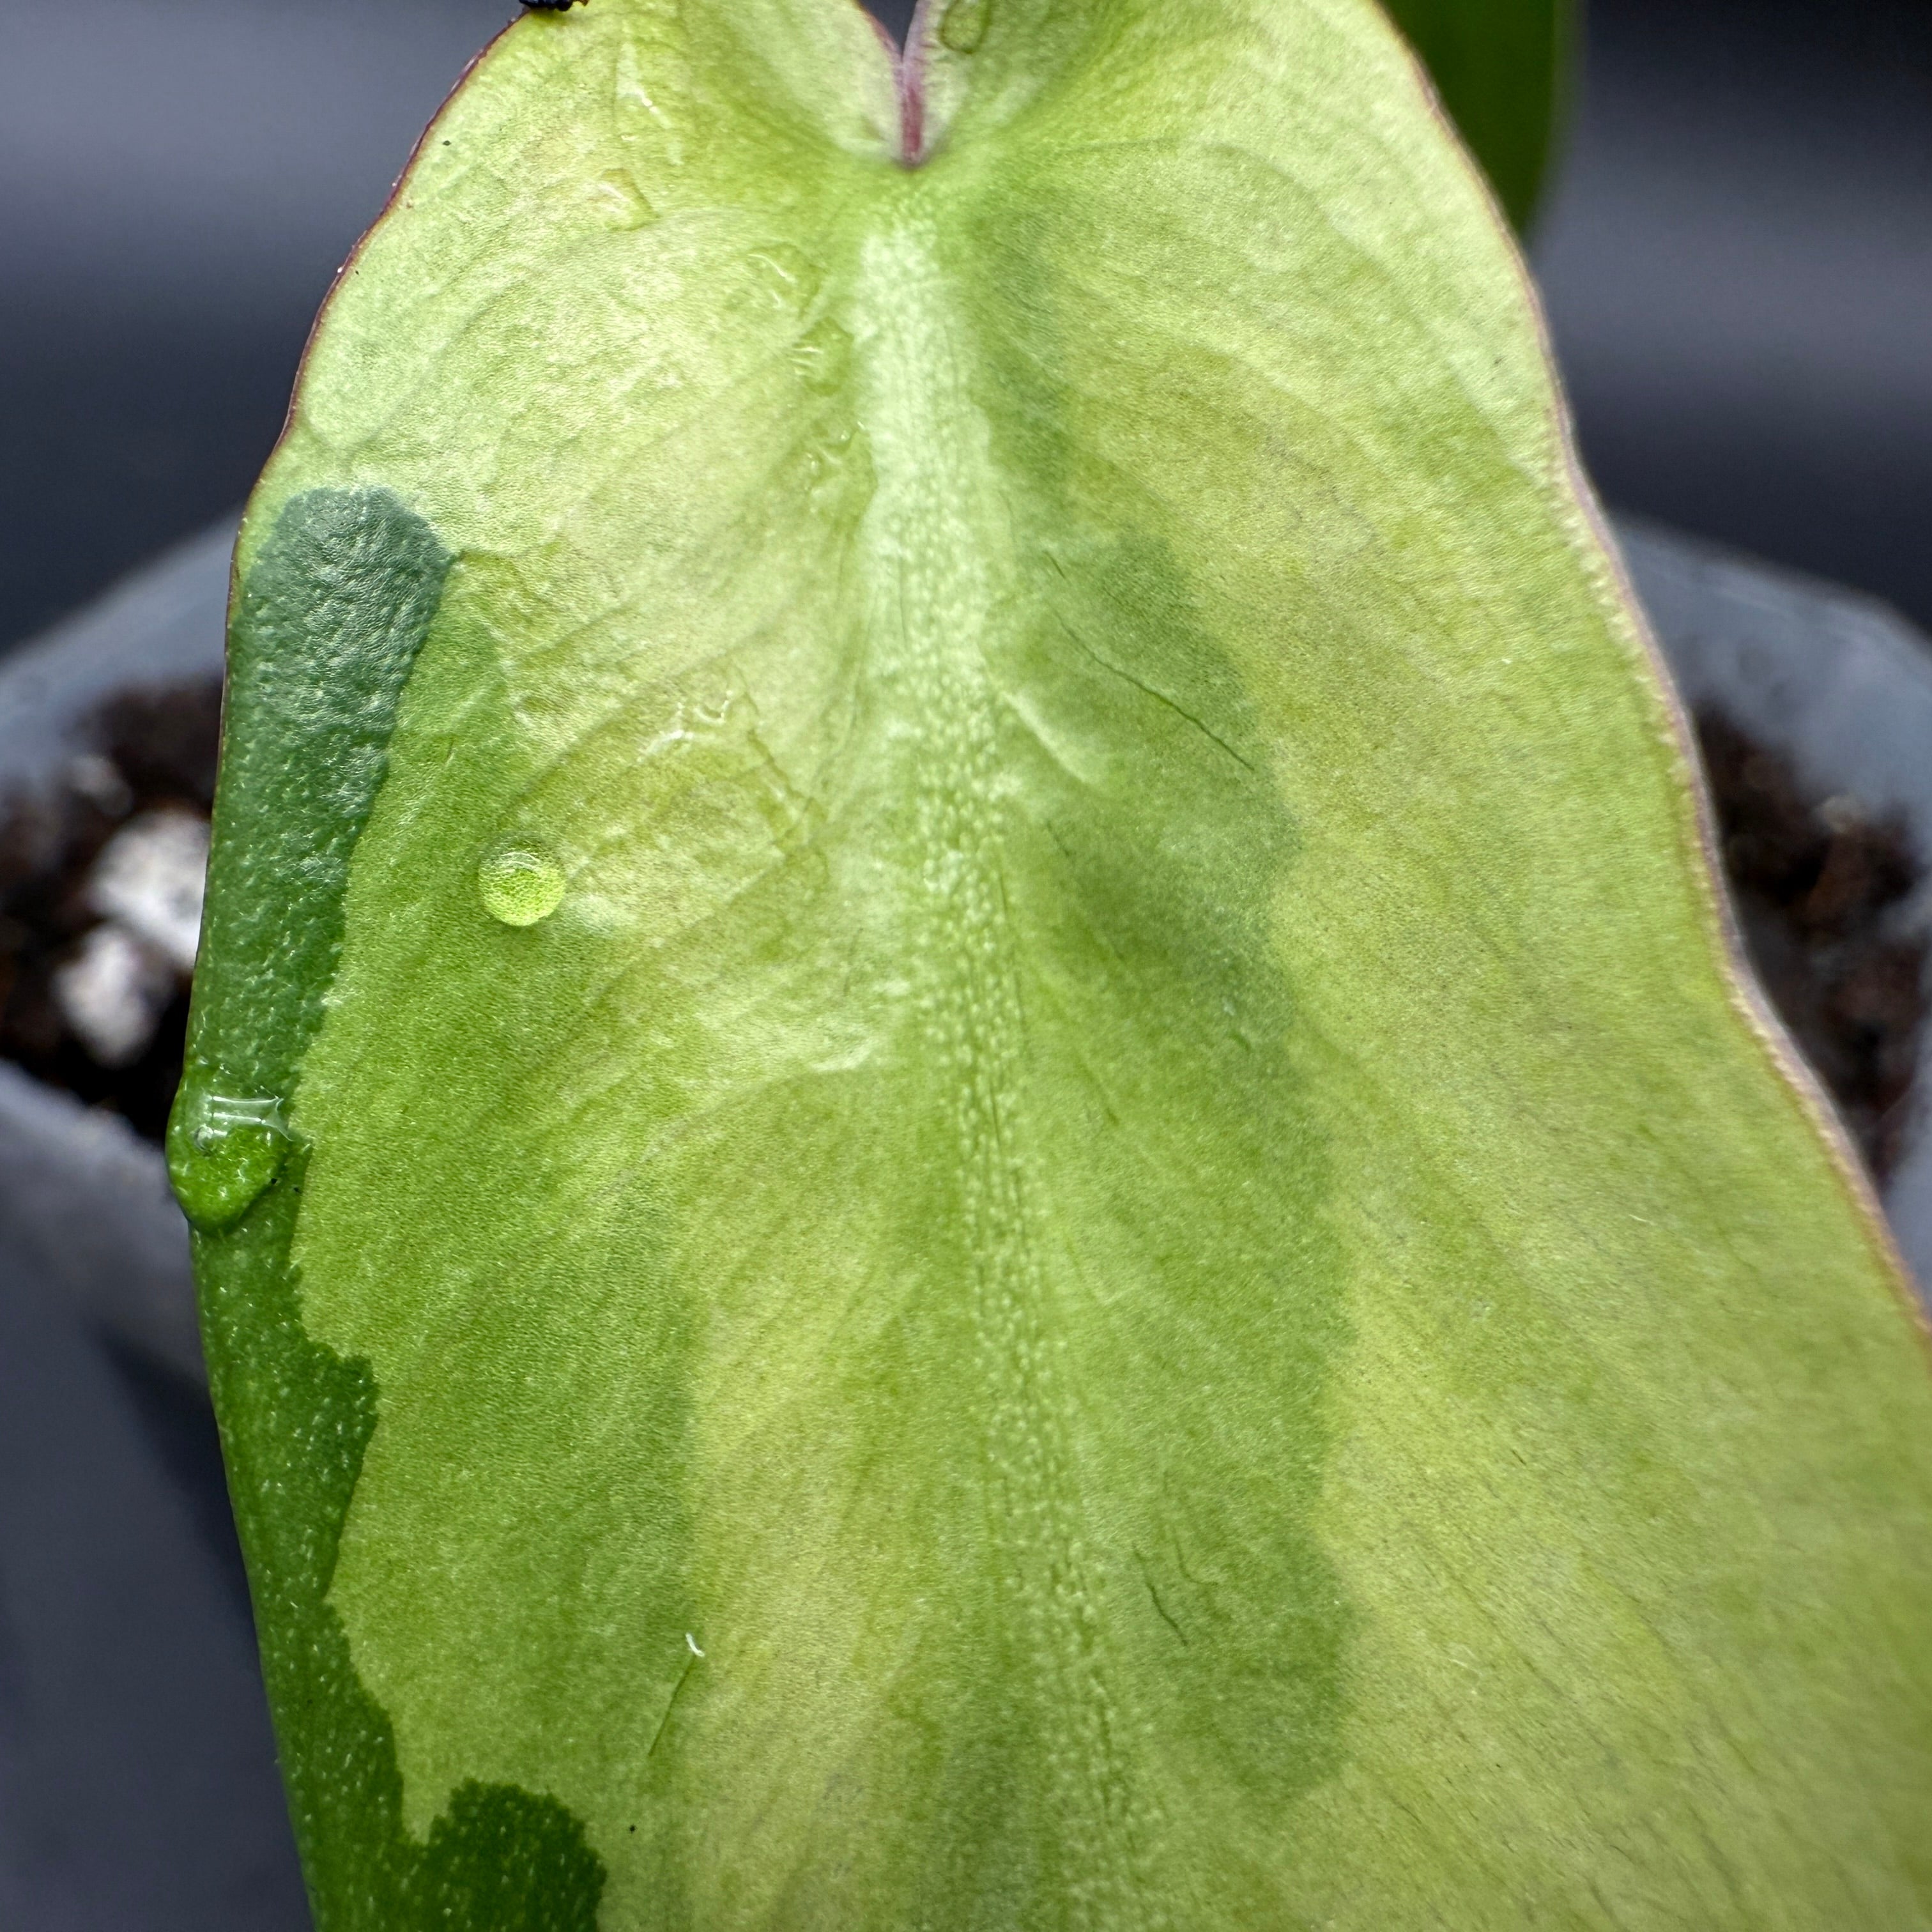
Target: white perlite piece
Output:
[(149, 878), (96, 778), (112, 993), (147, 886)]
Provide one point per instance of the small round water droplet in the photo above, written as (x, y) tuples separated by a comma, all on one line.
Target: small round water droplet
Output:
[(518, 886), (224, 1150), (964, 26)]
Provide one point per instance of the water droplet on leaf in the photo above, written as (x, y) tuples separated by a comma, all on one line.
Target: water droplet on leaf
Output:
[(518, 886), (787, 273), (964, 26), (617, 198), (823, 356), (224, 1150)]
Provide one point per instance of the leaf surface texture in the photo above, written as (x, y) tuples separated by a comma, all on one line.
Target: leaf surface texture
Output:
[(975, 1148)]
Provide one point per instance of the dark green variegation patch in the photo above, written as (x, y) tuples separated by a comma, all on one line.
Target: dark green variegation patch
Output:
[(330, 619), (973, 1146), (330, 616)]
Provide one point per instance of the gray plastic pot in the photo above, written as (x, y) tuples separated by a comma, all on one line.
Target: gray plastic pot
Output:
[(137, 1783), (138, 1789), (1841, 685), (84, 1202)]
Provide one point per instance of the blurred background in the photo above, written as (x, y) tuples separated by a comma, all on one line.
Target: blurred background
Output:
[(1736, 252)]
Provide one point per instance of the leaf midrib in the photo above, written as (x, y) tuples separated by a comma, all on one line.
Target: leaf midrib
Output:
[(936, 540)]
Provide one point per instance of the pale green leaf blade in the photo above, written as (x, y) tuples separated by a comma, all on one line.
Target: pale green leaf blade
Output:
[(973, 1144)]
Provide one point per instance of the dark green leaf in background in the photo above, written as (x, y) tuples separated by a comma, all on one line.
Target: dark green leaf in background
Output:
[(1503, 69)]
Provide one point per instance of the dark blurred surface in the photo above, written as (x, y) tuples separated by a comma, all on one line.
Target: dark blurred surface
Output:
[(137, 1786), (1738, 261), (181, 178)]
